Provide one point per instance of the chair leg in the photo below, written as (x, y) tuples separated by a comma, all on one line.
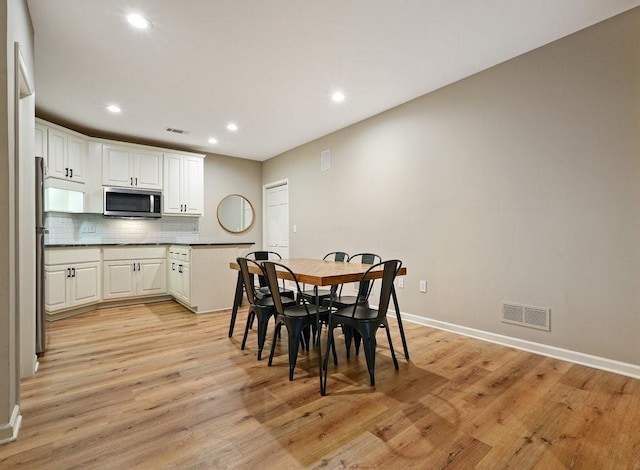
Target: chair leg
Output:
[(317, 332), (368, 334), (263, 324), (246, 328), (399, 318), (294, 328), (325, 363), (276, 333), (333, 349), (347, 331), (306, 336), (275, 322), (237, 301), (356, 341), (393, 353)]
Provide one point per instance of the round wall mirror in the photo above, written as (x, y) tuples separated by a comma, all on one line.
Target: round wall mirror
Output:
[(235, 213)]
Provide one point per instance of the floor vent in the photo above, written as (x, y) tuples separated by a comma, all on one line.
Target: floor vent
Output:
[(525, 315)]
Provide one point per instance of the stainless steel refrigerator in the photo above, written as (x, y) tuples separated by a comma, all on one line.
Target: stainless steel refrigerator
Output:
[(41, 337)]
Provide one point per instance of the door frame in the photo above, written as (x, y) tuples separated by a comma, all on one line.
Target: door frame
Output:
[(265, 187), (24, 171)]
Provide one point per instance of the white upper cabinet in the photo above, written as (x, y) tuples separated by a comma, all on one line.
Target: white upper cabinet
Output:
[(66, 157), (183, 184), (131, 167)]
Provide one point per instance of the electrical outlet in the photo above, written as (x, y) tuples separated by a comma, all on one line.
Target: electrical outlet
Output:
[(88, 228), (401, 282), (423, 286)]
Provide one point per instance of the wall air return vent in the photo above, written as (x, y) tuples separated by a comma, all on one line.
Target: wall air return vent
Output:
[(176, 131), (526, 315), (325, 160)]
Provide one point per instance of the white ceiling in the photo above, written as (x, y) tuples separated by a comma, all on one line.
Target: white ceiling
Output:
[(272, 65)]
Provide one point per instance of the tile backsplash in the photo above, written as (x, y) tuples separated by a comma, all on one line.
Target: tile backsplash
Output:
[(67, 228)]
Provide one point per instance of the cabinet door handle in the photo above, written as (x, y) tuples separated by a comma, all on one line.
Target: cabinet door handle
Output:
[(136, 181), (173, 266), (73, 272), (68, 272), (138, 266), (66, 172), (70, 172), (131, 184), (179, 268), (134, 266)]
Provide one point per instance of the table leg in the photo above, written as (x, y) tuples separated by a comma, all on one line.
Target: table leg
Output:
[(399, 318), (319, 327), (237, 301)]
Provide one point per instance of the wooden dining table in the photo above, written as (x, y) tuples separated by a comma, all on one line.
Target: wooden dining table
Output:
[(320, 273)]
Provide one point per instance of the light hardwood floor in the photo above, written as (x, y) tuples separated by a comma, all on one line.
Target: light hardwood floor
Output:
[(154, 386)]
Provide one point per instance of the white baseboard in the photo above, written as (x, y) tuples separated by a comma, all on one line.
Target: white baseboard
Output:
[(610, 365), (9, 431)]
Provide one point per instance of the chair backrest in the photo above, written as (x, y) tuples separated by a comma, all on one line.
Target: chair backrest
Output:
[(247, 278), (337, 256), (364, 289), (269, 268), (390, 270), (263, 256)]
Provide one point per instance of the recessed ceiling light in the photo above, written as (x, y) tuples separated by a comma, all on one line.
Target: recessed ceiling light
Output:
[(337, 97), (213, 140), (114, 108), (138, 21), (232, 127)]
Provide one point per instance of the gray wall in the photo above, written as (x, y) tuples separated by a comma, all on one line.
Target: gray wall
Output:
[(520, 183), (224, 176)]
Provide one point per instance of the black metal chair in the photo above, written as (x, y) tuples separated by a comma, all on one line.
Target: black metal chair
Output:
[(296, 318), (260, 306), (341, 301), (323, 294), (366, 321), (265, 256)]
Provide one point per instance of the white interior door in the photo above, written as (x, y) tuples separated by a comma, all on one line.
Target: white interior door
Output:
[(277, 219)]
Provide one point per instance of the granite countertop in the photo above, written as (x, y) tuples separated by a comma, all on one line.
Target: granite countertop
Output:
[(202, 243)]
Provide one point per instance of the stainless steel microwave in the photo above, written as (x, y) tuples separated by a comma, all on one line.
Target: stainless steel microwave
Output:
[(125, 202)]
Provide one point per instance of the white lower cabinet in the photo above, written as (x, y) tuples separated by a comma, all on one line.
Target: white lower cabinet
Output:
[(197, 276), (72, 278), (200, 277), (180, 273), (134, 272)]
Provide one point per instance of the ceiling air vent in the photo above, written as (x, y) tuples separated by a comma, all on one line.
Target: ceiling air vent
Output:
[(176, 131), (525, 315)]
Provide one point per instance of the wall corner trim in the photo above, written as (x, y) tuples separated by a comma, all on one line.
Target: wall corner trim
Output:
[(609, 365), (9, 431)]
